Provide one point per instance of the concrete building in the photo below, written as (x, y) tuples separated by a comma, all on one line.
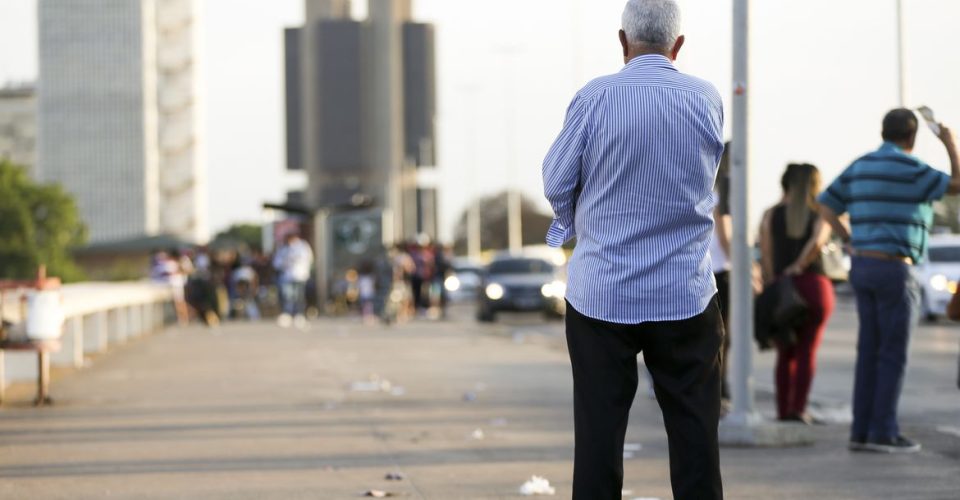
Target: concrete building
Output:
[(117, 100), (360, 100), (18, 125)]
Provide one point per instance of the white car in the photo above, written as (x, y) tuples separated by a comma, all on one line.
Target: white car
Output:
[(940, 273)]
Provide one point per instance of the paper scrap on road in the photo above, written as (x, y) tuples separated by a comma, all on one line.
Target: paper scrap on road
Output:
[(395, 476), (537, 485), (373, 384), (477, 435), (379, 494)]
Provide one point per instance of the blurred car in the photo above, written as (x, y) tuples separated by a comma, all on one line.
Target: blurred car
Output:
[(463, 282), (521, 284), (939, 274)]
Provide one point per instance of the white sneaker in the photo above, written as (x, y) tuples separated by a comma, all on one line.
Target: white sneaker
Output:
[(284, 320), (300, 322)]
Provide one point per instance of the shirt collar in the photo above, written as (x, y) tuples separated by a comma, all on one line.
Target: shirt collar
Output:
[(650, 61), (888, 146)]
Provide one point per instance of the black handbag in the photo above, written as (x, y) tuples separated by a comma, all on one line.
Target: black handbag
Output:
[(778, 312)]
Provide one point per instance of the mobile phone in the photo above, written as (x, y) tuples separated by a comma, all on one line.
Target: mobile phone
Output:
[(928, 117)]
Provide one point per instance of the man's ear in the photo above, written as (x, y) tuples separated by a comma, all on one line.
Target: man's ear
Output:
[(624, 44), (676, 47)]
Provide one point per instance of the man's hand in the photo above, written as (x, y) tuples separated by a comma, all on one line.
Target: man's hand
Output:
[(946, 136), (950, 142)]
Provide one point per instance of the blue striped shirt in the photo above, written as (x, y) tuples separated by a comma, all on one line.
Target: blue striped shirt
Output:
[(889, 195), (631, 176)]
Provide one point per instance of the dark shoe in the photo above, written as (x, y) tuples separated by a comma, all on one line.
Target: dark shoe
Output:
[(800, 418), (898, 444), (857, 444)]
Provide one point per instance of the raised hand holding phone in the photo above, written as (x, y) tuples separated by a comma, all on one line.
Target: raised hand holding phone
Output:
[(928, 117)]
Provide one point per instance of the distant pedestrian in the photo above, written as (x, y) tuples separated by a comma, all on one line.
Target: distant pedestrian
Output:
[(720, 260), (889, 195), (631, 176), (293, 262), (791, 236), (367, 292), (166, 268)]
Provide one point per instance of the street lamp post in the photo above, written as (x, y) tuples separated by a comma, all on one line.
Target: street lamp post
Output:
[(744, 426), (901, 58), (741, 293)]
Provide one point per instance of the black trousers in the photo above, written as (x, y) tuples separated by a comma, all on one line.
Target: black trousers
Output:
[(684, 359)]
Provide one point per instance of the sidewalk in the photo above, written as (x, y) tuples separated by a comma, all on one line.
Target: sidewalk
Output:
[(260, 412)]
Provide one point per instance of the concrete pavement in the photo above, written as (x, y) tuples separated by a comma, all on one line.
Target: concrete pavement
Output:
[(255, 411)]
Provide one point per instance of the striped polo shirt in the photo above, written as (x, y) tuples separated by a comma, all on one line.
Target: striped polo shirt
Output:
[(890, 196), (631, 176)]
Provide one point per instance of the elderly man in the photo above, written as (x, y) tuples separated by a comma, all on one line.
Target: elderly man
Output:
[(888, 194), (631, 177)]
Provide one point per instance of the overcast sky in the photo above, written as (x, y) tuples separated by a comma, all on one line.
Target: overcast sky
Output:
[(823, 75)]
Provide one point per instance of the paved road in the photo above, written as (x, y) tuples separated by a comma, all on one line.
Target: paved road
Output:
[(260, 412)]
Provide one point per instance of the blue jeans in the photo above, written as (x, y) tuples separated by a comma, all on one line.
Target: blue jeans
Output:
[(294, 297), (888, 306)]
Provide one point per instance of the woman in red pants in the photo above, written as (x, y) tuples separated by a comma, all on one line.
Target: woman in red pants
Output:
[(790, 240)]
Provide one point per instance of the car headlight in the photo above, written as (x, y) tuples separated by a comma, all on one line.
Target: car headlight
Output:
[(494, 291), (556, 289), (452, 284), (939, 282)]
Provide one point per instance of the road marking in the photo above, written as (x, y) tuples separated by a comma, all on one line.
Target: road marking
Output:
[(946, 429)]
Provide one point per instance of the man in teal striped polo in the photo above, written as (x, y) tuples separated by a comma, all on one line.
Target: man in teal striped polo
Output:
[(888, 194)]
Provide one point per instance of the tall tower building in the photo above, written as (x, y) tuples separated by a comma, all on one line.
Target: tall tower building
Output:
[(117, 115), (361, 108)]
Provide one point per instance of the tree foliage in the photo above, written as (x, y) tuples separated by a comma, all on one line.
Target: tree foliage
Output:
[(39, 225), (239, 236), (494, 234)]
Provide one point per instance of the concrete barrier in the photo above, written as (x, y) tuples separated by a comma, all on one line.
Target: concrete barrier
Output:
[(98, 316)]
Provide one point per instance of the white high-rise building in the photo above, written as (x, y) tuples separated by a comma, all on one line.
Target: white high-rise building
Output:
[(18, 124), (118, 115)]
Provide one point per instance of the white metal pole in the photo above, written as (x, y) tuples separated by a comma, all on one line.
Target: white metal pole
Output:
[(514, 221), (741, 290), (901, 58)]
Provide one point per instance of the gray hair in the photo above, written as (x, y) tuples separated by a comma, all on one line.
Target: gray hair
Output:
[(652, 22)]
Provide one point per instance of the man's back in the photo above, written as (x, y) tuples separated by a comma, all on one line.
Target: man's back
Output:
[(888, 194), (650, 141)]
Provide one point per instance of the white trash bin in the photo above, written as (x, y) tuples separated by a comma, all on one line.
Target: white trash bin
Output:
[(44, 315)]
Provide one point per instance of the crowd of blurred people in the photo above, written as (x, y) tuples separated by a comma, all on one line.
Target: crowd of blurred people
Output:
[(401, 282), (396, 284)]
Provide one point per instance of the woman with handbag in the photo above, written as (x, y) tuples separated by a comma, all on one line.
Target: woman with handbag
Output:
[(791, 236)]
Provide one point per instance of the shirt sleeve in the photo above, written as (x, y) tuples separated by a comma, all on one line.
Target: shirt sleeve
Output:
[(936, 183), (561, 173), (837, 195)]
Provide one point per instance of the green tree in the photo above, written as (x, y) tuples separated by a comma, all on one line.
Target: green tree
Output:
[(239, 236), (494, 234), (39, 225)]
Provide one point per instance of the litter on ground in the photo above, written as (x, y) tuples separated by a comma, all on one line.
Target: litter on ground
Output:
[(537, 485), (373, 384), (379, 494), (477, 434)]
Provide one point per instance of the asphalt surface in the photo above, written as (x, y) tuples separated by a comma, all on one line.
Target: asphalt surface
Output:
[(460, 410)]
